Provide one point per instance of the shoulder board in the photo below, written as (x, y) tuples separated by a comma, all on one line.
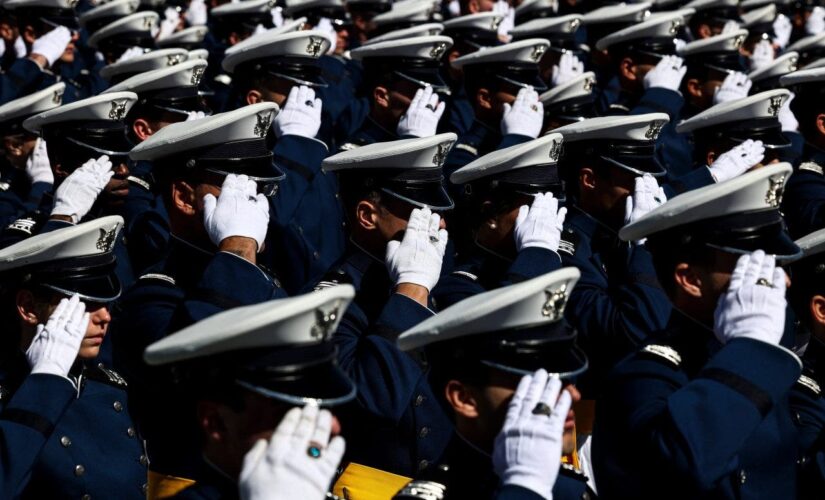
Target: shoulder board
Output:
[(159, 277), (25, 225), (569, 240), (333, 278), (106, 375), (620, 107), (809, 384), (139, 182), (348, 146), (466, 275), (810, 166), (4, 186), (663, 352), (466, 147), (570, 471)]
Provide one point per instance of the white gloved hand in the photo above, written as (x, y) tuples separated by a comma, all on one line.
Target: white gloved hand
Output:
[(259, 28), (454, 7), (679, 44), (569, 67), (418, 256), (754, 305), (239, 211), (737, 161), (736, 86), (277, 14), (77, 193), (325, 26), (667, 74), (131, 53), (38, 168), (527, 451), (525, 116), (171, 20), (730, 27), (782, 28), (647, 195), (763, 55), (540, 224), (815, 24), (196, 13), (194, 115), (301, 114), (786, 117), (283, 469), (508, 13), (421, 118), (55, 346), (52, 44)]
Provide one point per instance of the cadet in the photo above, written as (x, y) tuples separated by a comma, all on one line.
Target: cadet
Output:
[(402, 15), (713, 17), (501, 84), (363, 12), (213, 175), (26, 174), (508, 217), (392, 193), (283, 68), (803, 206), (403, 84), (565, 57), (156, 59), (721, 345), (477, 351), (569, 102), (94, 448), (608, 166), (767, 77), (241, 371), (190, 38), (114, 39)]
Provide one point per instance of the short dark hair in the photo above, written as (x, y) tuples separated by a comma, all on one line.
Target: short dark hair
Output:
[(673, 247)]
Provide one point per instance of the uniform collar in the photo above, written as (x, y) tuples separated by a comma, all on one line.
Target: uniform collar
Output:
[(587, 224), (377, 132), (814, 359)]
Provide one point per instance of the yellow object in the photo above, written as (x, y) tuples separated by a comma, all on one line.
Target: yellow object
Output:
[(163, 486), (359, 482)]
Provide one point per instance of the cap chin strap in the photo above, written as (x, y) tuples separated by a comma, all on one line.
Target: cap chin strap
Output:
[(297, 400), (96, 149), (298, 81), (440, 89), (739, 251), (517, 371), (69, 293), (417, 203)]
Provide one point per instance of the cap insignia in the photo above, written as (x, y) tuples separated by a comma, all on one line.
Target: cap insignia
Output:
[(775, 190), (174, 59), (675, 26), (555, 151), (775, 105), (73, 3), (554, 303), (495, 22), (57, 97), (197, 74), (314, 46), (738, 41), (148, 22), (264, 120), (573, 25), (538, 51), (118, 110), (106, 240), (272, 4), (441, 154), (438, 50), (324, 321), (654, 130), (588, 84), (643, 15)]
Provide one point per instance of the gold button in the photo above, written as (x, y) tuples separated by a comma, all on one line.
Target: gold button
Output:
[(131, 432), (79, 470), (118, 406), (65, 441)]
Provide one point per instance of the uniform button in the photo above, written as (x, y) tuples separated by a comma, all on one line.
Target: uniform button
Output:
[(100, 365), (797, 418), (65, 441), (316, 255), (79, 470), (86, 497), (423, 432), (143, 460), (419, 400), (742, 476), (337, 196), (118, 406), (131, 432), (423, 465)]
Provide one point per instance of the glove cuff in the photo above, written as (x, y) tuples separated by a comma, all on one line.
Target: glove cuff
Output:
[(415, 278), (524, 479)]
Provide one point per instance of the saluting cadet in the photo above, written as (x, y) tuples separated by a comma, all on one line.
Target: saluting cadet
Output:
[(246, 369), (403, 14), (26, 175), (713, 17), (803, 207), (565, 57), (362, 12), (569, 102), (114, 39), (767, 77), (508, 219), (477, 352), (156, 59), (94, 450), (284, 69), (717, 252), (214, 176), (190, 38), (502, 84)]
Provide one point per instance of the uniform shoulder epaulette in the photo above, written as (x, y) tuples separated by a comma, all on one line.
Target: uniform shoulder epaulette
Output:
[(619, 107), (333, 278), (810, 385), (466, 274), (348, 146), (662, 352), (4, 394), (106, 375), (569, 240), (159, 277), (810, 166), (570, 471), (468, 148)]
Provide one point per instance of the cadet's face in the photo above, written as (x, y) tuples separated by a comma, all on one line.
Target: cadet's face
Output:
[(611, 190), (69, 53), (401, 94), (392, 220), (99, 319), (17, 148), (117, 188)]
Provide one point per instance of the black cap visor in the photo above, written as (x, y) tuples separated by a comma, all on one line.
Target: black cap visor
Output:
[(92, 278)]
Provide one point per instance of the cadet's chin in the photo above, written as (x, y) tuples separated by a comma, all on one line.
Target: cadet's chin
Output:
[(68, 56)]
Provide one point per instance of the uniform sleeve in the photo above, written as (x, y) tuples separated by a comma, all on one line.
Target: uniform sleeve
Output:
[(808, 411), (513, 492), (660, 100), (22, 78), (694, 179), (804, 203), (26, 423), (300, 158)]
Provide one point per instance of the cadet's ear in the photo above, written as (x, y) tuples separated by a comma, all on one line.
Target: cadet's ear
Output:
[(489, 213), (694, 87), (627, 69), (210, 421), (710, 158), (461, 399), (142, 129), (484, 99), (25, 304), (29, 35), (183, 197), (381, 97), (687, 280), (817, 306), (704, 31), (366, 215), (820, 123), (473, 7), (587, 179), (254, 97), (233, 38)]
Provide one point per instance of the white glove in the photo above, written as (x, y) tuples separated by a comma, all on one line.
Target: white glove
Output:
[(540, 224), (325, 26), (77, 193), (786, 117), (679, 44), (52, 44), (259, 28), (730, 27), (55, 346), (502, 8), (277, 14), (735, 86), (131, 53), (737, 161), (754, 305), (782, 28), (301, 114), (763, 55), (283, 469), (525, 116), (667, 74), (454, 7), (569, 67), (239, 211), (171, 20), (196, 13), (194, 115), (815, 24), (527, 451), (647, 195), (418, 256), (421, 118), (38, 168)]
